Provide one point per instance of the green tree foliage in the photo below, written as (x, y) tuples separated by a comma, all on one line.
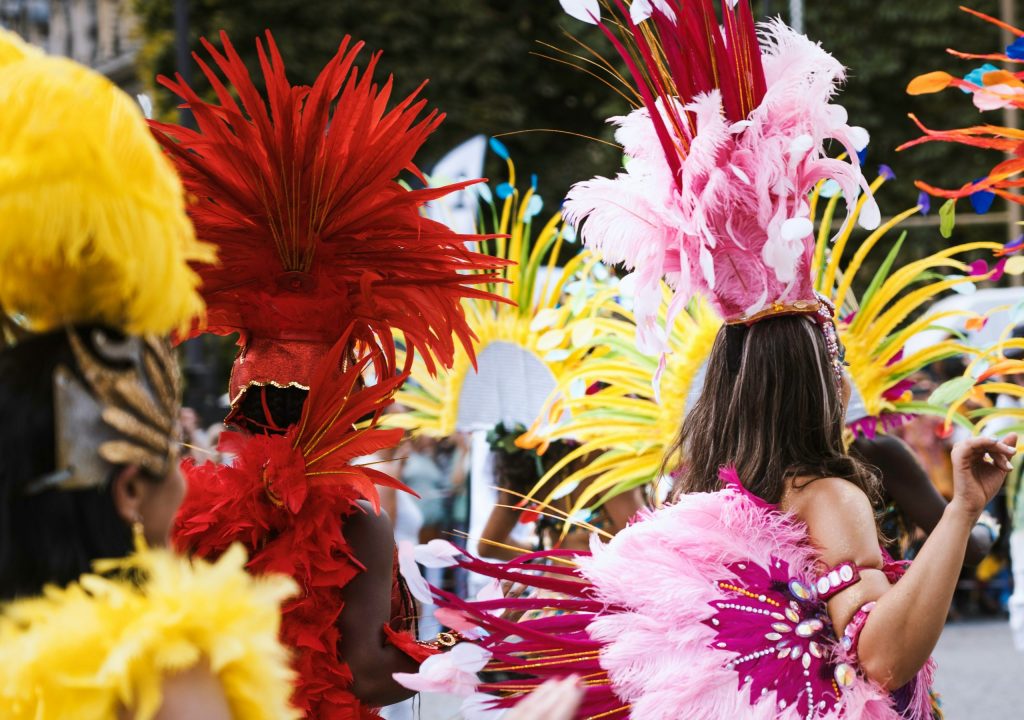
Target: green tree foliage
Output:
[(477, 54)]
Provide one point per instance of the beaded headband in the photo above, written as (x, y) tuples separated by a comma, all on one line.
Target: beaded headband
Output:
[(821, 312)]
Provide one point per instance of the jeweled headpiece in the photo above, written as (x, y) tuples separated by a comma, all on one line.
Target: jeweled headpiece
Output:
[(299, 191), (727, 142), (93, 232), (117, 407)]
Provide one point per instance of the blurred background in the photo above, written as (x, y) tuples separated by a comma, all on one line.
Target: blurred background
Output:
[(500, 68), (504, 68)]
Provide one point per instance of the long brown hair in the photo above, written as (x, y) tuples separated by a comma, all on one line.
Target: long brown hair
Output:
[(774, 415)]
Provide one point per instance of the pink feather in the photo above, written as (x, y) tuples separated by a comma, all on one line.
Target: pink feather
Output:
[(736, 230), (660, 574), (638, 619)]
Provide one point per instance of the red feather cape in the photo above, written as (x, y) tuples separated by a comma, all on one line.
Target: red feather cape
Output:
[(285, 498)]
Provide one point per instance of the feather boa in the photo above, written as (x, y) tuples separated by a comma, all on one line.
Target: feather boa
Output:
[(659, 621), (285, 498), (105, 643), (738, 229)]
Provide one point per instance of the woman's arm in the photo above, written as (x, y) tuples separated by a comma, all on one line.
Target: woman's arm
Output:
[(906, 481), (903, 628), (367, 609)]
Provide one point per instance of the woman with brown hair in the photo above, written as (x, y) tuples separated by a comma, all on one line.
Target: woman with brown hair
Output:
[(760, 591)]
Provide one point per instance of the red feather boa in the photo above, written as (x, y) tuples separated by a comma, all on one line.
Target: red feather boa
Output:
[(285, 498)]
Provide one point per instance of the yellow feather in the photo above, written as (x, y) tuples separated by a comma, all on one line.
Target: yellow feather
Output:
[(92, 215), (850, 271), (433, 402), (101, 645)]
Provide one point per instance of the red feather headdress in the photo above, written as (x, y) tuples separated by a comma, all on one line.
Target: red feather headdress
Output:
[(299, 193)]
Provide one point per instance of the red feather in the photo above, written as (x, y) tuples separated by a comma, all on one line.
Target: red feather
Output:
[(300, 194), (685, 55), (285, 498)]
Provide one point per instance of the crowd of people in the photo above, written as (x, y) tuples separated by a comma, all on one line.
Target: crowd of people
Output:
[(715, 484)]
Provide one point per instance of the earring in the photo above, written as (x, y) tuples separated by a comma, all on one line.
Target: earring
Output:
[(139, 533)]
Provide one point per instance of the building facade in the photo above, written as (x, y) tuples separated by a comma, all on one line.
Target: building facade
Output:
[(98, 33)]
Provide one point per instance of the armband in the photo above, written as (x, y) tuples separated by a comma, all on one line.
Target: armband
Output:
[(837, 579), (420, 651)]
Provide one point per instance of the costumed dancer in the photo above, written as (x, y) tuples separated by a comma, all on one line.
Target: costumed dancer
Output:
[(523, 345), (991, 88), (323, 254), (94, 245), (644, 406), (761, 590)]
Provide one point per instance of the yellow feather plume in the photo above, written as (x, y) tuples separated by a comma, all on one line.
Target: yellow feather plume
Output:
[(622, 428), (92, 216), (105, 643), (535, 320)]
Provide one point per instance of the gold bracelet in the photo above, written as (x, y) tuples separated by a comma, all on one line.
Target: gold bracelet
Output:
[(444, 640)]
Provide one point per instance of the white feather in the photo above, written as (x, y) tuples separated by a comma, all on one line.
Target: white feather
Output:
[(589, 11)]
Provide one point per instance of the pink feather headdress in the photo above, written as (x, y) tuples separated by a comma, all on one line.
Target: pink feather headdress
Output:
[(729, 139)]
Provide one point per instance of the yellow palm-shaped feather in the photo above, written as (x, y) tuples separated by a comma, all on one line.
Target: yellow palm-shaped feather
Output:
[(623, 426), (527, 335), (875, 328)]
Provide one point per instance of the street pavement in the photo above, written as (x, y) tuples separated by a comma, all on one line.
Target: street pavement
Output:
[(980, 677)]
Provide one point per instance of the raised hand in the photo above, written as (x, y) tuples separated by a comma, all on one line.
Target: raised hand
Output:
[(980, 466)]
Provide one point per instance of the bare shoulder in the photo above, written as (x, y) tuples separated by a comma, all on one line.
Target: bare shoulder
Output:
[(369, 523), (194, 693), (809, 493), (839, 519)]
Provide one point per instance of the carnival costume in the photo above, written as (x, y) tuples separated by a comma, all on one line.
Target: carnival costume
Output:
[(95, 241), (629, 423), (324, 254), (713, 606)]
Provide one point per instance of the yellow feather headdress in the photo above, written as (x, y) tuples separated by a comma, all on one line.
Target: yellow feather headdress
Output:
[(528, 334), (92, 215), (93, 231)]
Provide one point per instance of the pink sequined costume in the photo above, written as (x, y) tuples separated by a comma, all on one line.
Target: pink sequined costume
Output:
[(705, 609)]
